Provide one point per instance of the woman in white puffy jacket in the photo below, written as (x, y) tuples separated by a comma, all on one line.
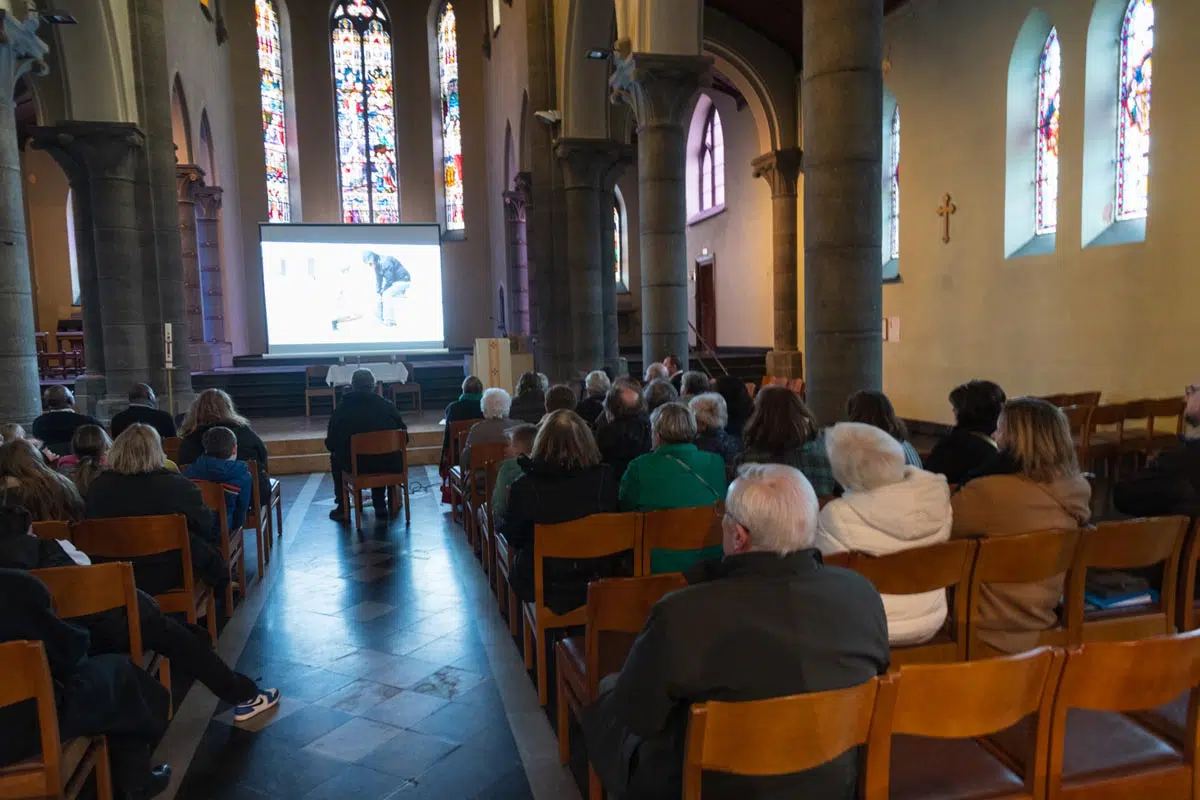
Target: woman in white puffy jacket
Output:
[(887, 507)]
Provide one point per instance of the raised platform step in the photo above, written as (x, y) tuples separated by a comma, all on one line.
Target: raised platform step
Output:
[(302, 449)]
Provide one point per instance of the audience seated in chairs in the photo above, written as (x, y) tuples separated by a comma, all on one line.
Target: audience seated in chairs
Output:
[(214, 407), (26, 480), (136, 484), (782, 430), (520, 443), (563, 481), (89, 456), (187, 646), (96, 695), (561, 398), (496, 423), (676, 474), (692, 384), (1032, 484), (595, 388), (659, 392), (529, 404), (712, 416), (766, 621), (738, 403), (1170, 484), (57, 425), (623, 430), (363, 411), (143, 408), (874, 408), (977, 406), (467, 406), (656, 371), (220, 464), (887, 506)]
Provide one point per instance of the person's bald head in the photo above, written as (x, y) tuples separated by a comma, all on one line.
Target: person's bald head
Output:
[(624, 400), (58, 397), (142, 394)]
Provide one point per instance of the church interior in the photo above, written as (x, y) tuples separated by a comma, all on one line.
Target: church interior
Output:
[(606, 195)]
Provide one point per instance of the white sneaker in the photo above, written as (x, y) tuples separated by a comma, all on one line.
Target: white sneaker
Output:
[(265, 700)]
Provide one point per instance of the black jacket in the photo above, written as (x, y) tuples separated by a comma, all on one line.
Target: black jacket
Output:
[(57, 428), (590, 408), (529, 406), (622, 440), (250, 448), (717, 440), (113, 494), (30, 552), (26, 613), (550, 496), (156, 418), (1170, 484), (467, 406), (363, 412), (750, 627), (958, 454)]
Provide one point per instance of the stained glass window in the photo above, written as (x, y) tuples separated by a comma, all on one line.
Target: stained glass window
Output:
[(270, 66), (447, 40), (617, 254), (893, 248), (1046, 171), (712, 162), (366, 123), (1133, 125)]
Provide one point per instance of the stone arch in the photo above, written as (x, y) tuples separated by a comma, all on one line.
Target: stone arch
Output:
[(181, 125), (95, 60), (583, 81)]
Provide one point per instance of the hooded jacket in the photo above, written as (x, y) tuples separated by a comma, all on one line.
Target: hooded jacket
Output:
[(912, 513), (236, 484)]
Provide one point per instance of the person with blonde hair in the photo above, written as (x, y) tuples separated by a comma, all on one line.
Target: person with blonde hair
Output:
[(1032, 484), (138, 484), (563, 480), (26, 480), (214, 407), (89, 451)]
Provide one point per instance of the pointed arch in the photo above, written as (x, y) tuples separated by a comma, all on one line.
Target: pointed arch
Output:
[(706, 156), (206, 158), (1030, 177), (181, 128), (452, 149), (620, 240), (271, 59)]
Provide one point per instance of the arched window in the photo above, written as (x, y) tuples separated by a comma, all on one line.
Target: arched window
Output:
[(712, 162), (620, 241), (447, 45), (1049, 93), (366, 125), (270, 88), (618, 253), (1133, 124), (893, 249)]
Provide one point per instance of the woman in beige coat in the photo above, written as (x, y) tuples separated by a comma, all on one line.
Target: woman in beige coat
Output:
[(1033, 484)]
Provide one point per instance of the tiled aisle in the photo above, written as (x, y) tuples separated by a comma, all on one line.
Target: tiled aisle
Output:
[(399, 678)]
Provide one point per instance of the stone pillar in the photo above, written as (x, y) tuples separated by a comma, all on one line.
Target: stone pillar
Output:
[(660, 89), (515, 202), (608, 259), (781, 169), (20, 401), (187, 178), (842, 106), (212, 285), (101, 160)]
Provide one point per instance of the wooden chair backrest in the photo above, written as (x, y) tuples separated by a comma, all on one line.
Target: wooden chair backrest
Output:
[(680, 529), (1130, 676), (1065, 399), (921, 569), (594, 536), (1079, 418), (80, 591), (458, 437), (123, 538), (1112, 414), (170, 446), (1146, 412), (377, 443), (778, 736), (53, 529), (214, 498), (620, 605), (1189, 564), (25, 675), (316, 373), (483, 458), (256, 500)]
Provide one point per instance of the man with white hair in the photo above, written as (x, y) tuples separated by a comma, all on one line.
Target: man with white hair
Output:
[(656, 371), (496, 403), (361, 410), (768, 620), (595, 388)]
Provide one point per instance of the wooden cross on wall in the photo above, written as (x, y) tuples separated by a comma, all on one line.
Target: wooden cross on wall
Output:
[(944, 211)]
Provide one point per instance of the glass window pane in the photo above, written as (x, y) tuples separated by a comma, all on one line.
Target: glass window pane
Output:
[(270, 66), (451, 123), (1133, 126)]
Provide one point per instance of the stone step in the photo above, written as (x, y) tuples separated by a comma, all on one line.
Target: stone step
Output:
[(303, 456)]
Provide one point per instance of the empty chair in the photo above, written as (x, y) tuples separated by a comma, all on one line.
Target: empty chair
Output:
[(1079, 418), (316, 385), (410, 388), (1151, 425)]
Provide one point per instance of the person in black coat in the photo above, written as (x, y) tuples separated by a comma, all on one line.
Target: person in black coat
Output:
[(596, 387), (529, 403), (212, 408), (738, 402), (623, 432), (977, 406), (768, 620), (105, 695), (361, 411), (1170, 484), (56, 427), (563, 481), (467, 406), (143, 408), (136, 484)]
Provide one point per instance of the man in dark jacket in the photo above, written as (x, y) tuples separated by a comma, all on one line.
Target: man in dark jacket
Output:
[(361, 411), (467, 406), (977, 406), (768, 620), (56, 427), (595, 387), (101, 695), (1170, 484), (623, 430), (143, 407)]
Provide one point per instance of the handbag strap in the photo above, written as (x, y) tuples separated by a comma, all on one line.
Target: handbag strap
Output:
[(697, 475)]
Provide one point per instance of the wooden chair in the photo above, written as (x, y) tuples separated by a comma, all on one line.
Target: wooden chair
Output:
[(1106, 755), (1105, 433), (1074, 399), (454, 472), (1079, 418), (1131, 544), (1026, 558), (233, 543), (62, 769), (315, 386), (946, 566), (617, 610), (949, 706), (411, 388), (259, 515), (485, 525), (1187, 607), (775, 737), (52, 529), (170, 446), (505, 596), (354, 483), (129, 538), (595, 536), (475, 494), (679, 533), (1143, 440)]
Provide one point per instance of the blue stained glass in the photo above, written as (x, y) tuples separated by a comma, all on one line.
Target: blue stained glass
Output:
[(1133, 125), (447, 36), (1048, 113), (270, 65), (894, 188)]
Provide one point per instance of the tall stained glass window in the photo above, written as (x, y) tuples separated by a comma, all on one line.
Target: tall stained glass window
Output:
[(447, 42), (1133, 124), (617, 233), (366, 123), (1049, 95), (893, 249), (712, 162), (270, 66)]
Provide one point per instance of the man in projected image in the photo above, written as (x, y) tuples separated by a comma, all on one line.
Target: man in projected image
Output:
[(391, 283)]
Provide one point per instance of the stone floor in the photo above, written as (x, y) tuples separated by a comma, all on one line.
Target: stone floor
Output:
[(399, 678)]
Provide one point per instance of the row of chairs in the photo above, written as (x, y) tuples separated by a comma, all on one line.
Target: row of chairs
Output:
[(66, 361), (1108, 434), (316, 386)]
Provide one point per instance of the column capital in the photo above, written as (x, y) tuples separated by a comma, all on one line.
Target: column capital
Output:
[(90, 150), (782, 170), (586, 162), (188, 177), (208, 200), (658, 87), (514, 205), (21, 50)]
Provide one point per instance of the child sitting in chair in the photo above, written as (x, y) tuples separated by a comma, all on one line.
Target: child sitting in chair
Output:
[(219, 464)]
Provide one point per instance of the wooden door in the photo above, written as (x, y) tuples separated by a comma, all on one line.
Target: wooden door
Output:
[(706, 301)]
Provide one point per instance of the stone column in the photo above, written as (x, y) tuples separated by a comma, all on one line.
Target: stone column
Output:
[(515, 202), (660, 88), (842, 107), (20, 401), (781, 169), (187, 178), (101, 160), (608, 259), (212, 285)]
